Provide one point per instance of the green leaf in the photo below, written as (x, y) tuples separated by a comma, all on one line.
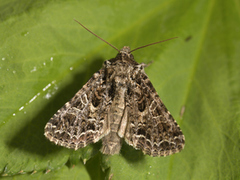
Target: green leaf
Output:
[(75, 172), (46, 57)]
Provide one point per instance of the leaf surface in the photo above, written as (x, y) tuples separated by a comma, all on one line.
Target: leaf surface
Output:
[(46, 57)]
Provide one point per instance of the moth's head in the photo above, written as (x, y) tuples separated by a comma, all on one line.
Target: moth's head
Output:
[(126, 52), (123, 57)]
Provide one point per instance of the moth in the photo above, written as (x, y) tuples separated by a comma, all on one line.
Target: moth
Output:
[(118, 102)]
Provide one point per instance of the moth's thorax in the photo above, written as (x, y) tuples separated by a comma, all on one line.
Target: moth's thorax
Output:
[(120, 72), (122, 66)]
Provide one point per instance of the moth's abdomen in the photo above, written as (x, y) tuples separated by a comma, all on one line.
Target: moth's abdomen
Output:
[(111, 144)]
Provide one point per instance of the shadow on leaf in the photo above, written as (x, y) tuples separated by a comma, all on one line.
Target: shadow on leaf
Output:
[(31, 138), (131, 154)]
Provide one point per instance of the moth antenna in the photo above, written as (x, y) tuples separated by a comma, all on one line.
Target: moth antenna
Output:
[(96, 35), (152, 44)]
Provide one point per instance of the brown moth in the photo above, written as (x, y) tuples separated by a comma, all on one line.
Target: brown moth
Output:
[(118, 102)]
